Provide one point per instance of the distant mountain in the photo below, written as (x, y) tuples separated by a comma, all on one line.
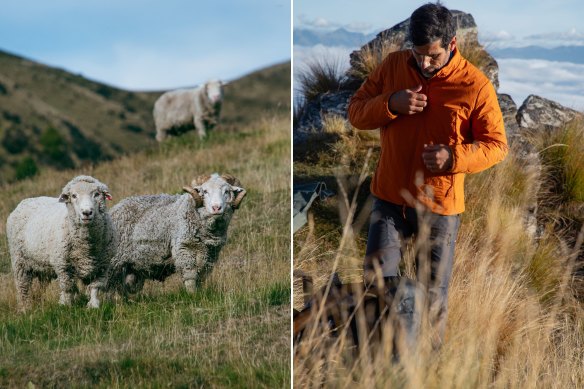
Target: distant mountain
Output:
[(574, 54), (50, 117), (339, 37)]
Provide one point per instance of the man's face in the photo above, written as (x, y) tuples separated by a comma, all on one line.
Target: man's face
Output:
[(432, 57)]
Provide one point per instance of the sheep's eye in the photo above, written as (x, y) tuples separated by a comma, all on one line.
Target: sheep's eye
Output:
[(74, 196), (96, 195), (205, 192)]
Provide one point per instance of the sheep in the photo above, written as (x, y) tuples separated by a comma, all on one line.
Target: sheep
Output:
[(68, 238), (159, 235), (177, 111)]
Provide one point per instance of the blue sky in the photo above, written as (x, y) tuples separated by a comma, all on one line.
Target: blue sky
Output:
[(149, 44), (501, 23), (507, 20)]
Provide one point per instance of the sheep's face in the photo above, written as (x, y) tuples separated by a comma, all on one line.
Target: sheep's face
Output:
[(214, 91), (215, 194), (86, 199)]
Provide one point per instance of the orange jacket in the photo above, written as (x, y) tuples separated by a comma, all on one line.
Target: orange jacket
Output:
[(462, 111)]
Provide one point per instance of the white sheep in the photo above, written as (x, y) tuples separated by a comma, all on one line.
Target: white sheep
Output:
[(159, 235), (178, 111), (67, 238)]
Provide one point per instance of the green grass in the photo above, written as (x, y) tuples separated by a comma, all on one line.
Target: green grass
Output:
[(232, 332), (515, 316)]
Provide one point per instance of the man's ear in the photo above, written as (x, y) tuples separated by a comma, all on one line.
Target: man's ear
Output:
[(64, 198), (453, 43)]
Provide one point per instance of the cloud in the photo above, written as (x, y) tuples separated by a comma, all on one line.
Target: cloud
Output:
[(320, 23), (558, 81), (493, 36), (502, 39), (570, 35), (316, 23)]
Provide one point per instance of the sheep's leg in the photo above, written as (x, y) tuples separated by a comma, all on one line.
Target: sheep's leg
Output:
[(190, 279), (23, 281), (200, 126), (67, 287), (160, 135), (93, 290)]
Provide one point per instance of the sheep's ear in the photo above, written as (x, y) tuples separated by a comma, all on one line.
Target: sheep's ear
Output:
[(239, 195), (64, 198), (195, 195), (107, 195)]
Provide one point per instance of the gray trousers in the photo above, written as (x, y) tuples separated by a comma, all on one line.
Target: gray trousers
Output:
[(389, 226)]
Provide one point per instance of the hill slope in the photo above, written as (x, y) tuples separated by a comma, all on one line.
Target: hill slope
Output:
[(234, 331), (50, 117)]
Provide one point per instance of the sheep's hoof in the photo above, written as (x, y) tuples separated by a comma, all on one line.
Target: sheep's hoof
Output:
[(93, 304)]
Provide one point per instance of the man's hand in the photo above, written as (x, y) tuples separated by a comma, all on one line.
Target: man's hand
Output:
[(437, 158), (408, 101)]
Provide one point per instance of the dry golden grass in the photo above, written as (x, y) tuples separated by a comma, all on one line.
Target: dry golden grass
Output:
[(513, 320), (370, 57), (233, 332)]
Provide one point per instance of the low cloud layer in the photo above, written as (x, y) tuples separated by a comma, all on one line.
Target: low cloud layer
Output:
[(558, 81), (503, 39)]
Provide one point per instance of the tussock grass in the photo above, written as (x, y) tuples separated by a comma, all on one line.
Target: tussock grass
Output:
[(474, 53), (370, 57), (513, 319), (319, 76), (233, 332)]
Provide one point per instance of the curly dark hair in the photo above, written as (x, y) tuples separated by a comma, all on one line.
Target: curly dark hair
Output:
[(431, 22)]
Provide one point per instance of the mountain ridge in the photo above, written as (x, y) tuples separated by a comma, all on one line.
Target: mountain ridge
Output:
[(51, 117)]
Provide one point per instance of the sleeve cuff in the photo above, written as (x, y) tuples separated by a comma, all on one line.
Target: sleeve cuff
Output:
[(391, 115)]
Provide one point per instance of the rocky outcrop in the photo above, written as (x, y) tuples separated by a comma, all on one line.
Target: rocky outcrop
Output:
[(330, 103), (336, 102), (397, 37), (537, 113)]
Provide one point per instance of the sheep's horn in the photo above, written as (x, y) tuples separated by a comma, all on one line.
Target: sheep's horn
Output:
[(238, 199), (196, 196), (200, 180), (231, 180)]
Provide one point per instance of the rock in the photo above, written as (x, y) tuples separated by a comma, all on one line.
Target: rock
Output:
[(336, 102), (397, 37), (509, 110), (329, 103), (537, 113)]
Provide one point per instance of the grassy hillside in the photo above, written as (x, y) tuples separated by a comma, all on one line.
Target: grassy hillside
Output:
[(50, 117), (515, 318), (234, 331)]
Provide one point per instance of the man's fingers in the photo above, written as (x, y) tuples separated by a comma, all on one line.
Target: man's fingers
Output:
[(417, 88)]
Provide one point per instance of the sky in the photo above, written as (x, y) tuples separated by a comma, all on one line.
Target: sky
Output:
[(501, 23), (502, 20), (149, 44)]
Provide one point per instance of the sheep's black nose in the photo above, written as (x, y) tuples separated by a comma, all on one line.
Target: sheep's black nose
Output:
[(87, 213)]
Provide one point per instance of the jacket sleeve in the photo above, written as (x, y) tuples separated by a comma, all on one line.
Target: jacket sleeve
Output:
[(368, 108), (489, 144)]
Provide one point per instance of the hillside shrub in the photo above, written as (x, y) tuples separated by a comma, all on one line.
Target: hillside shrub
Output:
[(55, 148), (25, 168), (14, 141), (85, 148)]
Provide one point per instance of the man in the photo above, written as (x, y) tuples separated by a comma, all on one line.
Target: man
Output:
[(439, 119)]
